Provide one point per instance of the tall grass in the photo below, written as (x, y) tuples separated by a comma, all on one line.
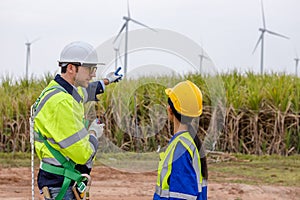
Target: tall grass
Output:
[(261, 112), (16, 99)]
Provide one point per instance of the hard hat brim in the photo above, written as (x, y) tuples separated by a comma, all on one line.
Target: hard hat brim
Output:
[(84, 64)]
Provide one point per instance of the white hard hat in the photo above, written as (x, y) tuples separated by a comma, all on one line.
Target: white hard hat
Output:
[(80, 53)]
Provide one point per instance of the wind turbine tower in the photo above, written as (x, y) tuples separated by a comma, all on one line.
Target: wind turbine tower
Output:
[(296, 65), (202, 57), (261, 39), (28, 45)]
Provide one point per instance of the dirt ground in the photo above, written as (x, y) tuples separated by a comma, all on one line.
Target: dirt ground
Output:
[(110, 184)]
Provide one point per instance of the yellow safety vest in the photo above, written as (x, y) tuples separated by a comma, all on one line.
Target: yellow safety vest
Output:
[(59, 118), (165, 166)]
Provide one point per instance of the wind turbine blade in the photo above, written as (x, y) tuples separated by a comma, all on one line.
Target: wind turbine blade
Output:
[(35, 40), (117, 45), (120, 41), (117, 49), (277, 34), (206, 57), (124, 25), (258, 41), (263, 14), (142, 25), (128, 10), (119, 57)]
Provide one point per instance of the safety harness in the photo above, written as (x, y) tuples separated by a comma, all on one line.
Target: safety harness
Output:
[(68, 166)]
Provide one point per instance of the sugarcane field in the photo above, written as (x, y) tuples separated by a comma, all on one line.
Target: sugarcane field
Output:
[(150, 100), (247, 162)]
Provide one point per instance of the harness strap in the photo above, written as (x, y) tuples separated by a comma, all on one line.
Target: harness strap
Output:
[(67, 171), (70, 174)]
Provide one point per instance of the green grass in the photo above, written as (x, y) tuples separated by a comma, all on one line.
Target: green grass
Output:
[(267, 170), (249, 169), (8, 160), (129, 161)]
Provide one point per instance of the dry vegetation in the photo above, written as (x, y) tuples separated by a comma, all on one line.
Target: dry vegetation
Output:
[(255, 114)]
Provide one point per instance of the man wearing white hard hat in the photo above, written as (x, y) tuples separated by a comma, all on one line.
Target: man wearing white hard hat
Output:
[(64, 145)]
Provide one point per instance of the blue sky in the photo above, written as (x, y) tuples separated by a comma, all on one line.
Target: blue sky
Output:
[(226, 29)]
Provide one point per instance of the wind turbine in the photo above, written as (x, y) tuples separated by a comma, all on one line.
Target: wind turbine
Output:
[(202, 56), (116, 49), (261, 39), (296, 64), (28, 45), (117, 53), (125, 26)]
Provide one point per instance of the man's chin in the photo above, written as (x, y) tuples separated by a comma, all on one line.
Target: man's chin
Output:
[(85, 85)]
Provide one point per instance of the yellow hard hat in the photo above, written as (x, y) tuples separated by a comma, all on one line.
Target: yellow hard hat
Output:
[(186, 98)]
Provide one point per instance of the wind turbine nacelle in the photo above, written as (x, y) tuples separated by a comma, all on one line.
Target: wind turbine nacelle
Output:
[(126, 18), (262, 29)]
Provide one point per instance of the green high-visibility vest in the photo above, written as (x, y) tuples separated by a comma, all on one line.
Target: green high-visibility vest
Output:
[(165, 165), (59, 118)]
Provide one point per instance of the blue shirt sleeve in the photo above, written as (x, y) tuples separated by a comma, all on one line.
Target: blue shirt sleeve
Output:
[(183, 178), (94, 89)]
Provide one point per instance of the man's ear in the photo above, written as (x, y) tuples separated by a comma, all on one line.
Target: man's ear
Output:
[(71, 68), (170, 113), (170, 110)]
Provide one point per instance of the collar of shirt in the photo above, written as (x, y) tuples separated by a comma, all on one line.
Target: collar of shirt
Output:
[(68, 87), (176, 135)]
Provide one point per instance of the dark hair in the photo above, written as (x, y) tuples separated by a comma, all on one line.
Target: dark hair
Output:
[(64, 68)]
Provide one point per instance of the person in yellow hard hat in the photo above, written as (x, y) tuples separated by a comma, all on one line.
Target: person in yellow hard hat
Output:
[(64, 143), (182, 170)]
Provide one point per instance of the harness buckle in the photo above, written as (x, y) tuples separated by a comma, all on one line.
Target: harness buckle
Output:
[(81, 189)]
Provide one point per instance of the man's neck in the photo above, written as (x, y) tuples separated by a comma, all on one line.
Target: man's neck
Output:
[(68, 78), (179, 126)]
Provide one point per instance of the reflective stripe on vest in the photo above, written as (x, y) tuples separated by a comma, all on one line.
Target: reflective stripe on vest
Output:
[(70, 140), (51, 161), (66, 142), (45, 99), (165, 167), (167, 194), (196, 160), (182, 196)]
